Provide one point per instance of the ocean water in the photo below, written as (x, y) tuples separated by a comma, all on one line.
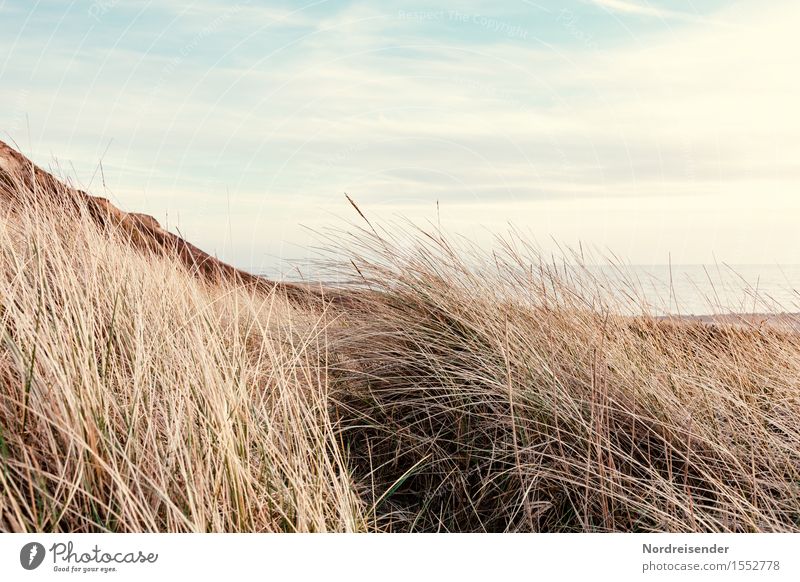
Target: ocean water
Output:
[(712, 289), (680, 289)]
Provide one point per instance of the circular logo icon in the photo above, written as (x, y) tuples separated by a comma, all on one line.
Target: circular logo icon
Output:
[(31, 555)]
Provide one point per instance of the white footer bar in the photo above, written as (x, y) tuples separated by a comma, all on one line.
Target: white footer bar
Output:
[(376, 557)]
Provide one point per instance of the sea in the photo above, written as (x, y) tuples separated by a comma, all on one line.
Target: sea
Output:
[(688, 290), (712, 289)]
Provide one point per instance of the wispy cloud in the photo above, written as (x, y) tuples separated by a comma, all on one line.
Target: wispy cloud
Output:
[(642, 9), (573, 139)]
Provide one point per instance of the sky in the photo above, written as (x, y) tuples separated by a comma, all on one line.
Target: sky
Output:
[(654, 130)]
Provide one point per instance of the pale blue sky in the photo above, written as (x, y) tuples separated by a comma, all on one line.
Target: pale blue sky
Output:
[(645, 127)]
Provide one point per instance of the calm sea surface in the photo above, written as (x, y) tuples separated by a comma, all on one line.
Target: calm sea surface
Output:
[(708, 289), (697, 289)]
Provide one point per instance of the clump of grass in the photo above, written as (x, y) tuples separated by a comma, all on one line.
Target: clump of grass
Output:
[(136, 398), (445, 388), (497, 392)]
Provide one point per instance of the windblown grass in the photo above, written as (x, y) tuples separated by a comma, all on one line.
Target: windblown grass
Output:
[(135, 398), (502, 393), (446, 389)]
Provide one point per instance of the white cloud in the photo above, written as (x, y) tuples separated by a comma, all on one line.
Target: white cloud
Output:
[(646, 9)]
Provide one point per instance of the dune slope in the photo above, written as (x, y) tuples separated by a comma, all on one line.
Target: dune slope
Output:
[(145, 386)]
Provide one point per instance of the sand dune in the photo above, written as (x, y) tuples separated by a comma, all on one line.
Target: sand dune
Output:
[(147, 386), (143, 231)]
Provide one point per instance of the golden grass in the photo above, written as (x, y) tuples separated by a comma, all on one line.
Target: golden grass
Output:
[(453, 390), (133, 397)]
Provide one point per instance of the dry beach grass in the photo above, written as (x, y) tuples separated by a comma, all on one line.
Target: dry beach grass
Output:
[(443, 389)]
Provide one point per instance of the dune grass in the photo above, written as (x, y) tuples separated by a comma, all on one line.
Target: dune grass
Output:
[(453, 390), (135, 398)]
